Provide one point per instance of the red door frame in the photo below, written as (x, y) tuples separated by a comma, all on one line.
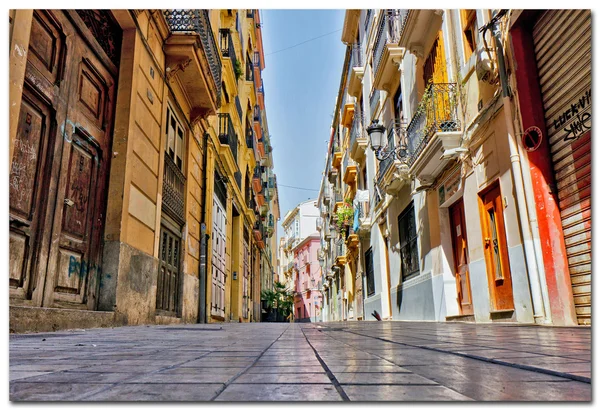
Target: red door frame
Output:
[(551, 233)]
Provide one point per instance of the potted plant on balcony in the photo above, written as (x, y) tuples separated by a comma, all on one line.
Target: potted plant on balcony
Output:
[(344, 214), (237, 69)]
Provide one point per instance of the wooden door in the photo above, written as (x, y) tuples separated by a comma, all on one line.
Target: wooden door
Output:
[(76, 249), (219, 237), (495, 249), (245, 278), (168, 282), (461, 257), (59, 169)]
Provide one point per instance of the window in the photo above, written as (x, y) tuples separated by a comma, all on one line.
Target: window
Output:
[(469, 25), (175, 138), (409, 254), (369, 272)]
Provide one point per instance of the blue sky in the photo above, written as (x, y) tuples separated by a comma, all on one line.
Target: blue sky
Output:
[(301, 85)]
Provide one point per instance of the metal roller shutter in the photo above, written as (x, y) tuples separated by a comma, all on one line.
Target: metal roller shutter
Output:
[(563, 50)]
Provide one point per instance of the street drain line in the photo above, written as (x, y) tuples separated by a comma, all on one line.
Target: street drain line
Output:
[(234, 378), (333, 379), (487, 359)]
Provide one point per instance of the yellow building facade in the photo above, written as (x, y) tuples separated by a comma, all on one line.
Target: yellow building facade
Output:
[(128, 132)]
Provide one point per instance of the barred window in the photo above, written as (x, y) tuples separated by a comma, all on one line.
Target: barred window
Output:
[(409, 254)]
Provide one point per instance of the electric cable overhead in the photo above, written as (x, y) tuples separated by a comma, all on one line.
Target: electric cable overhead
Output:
[(304, 42), (295, 187)]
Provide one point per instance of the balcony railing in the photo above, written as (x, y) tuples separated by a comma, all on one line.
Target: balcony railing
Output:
[(257, 114), (388, 32), (437, 112), (373, 100), (396, 137), (238, 178), (250, 14), (227, 47), (356, 56), (249, 136), (198, 20), (227, 133), (249, 70), (357, 126), (238, 107), (173, 190)]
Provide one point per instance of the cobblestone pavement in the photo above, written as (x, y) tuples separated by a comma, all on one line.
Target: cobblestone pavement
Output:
[(356, 361)]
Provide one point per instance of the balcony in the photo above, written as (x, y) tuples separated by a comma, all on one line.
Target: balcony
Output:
[(373, 101), (339, 201), (192, 56), (326, 194), (350, 27), (347, 115), (256, 180), (358, 138), (350, 170), (364, 219), (387, 55), (340, 259), (357, 70), (419, 30), (260, 96), (238, 108), (229, 55), (336, 158), (249, 70), (238, 179), (352, 241), (173, 191), (229, 141), (434, 129), (250, 138), (393, 172)]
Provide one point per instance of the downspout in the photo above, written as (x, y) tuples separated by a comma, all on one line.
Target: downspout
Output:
[(203, 239), (532, 268)]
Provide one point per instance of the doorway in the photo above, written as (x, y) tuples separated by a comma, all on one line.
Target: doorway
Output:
[(495, 249), (461, 257)]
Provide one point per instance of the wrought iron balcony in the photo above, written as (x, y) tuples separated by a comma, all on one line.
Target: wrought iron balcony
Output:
[(388, 32), (358, 137), (396, 140), (356, 70), (437, 113), (349, 169), (238, 107), (257, 116), (196, 21), (249, 70), (356, 55), (340, 247), (227, 133), (173, 190), (387, 55), (227, 46), (373, 100), (238, 178), (249, 136)]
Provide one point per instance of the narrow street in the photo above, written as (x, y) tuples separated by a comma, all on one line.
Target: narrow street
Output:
[(355, 361)]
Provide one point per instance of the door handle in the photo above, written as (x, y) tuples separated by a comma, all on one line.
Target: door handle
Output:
[(487, 242), (16, 223), (69, 202)]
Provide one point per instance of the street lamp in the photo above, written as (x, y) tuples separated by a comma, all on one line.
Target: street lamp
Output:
[(378, 143)]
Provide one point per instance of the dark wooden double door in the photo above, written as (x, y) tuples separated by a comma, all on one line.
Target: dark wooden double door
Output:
[(58, 174)]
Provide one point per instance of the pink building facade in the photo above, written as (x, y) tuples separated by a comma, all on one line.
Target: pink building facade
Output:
[(308, 300)]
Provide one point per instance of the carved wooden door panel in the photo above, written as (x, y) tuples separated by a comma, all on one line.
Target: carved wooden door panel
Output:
[(76, 248), (37, 142)]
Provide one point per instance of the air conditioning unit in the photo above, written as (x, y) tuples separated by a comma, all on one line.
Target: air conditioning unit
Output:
[(484, 67)]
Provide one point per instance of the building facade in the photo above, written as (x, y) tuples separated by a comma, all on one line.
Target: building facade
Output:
[(448, 222), (133, 195), (308, 300)]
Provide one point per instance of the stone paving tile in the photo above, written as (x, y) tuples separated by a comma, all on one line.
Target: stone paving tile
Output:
[(564, 367), (278, 363), (276, 378), (20, 391), (367, 369), (381, 378), (279, 392), (403, 393), (116, 368), (182, 378), (80, 377), (286, 369), (43, 367), (157, 392)]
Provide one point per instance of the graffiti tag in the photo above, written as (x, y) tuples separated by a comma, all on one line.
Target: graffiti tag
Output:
[(578, 117)]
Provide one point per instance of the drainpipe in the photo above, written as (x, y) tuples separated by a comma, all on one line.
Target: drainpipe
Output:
[(203, 240), (532, 268)]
